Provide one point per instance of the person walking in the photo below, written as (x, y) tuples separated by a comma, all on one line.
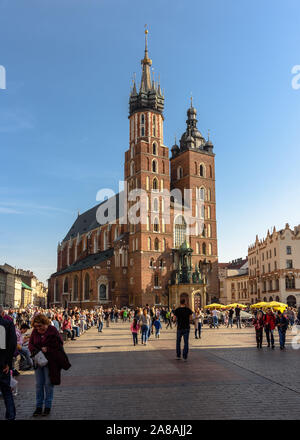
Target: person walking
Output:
[(215, 318), (168, 319), (8, 345), (282, 323), (183, 317), (45, 338), (230, 317), (145, 322), (238, 317), (258, 323), (269, 323), (158, 326), (134, 327), (197, 323)]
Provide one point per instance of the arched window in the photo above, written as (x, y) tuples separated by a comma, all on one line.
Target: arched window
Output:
[(66, 285), (142, 125), (155, 183), (155, 205), (154, 126), (75, 288), (149, 244), (156, 225), (154, 166), (151, 262), (179, 231), (87, 286), (154, 148), (102, 292), (209, 249), (202, 194), (204, 248), (202, 170), (197, 248), (156, 245), (179, 173)]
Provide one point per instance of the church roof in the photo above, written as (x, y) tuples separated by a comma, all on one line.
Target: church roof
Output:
[(89, 261), (87, 221)]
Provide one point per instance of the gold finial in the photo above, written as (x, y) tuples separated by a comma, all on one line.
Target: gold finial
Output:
[(146, 30), (191, 100)]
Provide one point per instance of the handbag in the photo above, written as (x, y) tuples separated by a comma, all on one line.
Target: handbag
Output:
[(40, 359)]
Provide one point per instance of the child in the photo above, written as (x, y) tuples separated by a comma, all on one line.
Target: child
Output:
[(134, 329), (158, 326), (259, 326)]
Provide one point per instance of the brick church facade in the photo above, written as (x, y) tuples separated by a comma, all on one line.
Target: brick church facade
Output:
[(120, 261)]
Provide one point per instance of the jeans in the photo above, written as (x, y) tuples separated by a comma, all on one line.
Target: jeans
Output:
[(259, 336), (185, 334), (268, 332), (44, 388), (157, 332), (76, 330), (100, 327), (198, 329), (145, 331), (281, 336), (135, 338), (70, 333), (238, 322), (215, 321), (5, 389), (229, 322)]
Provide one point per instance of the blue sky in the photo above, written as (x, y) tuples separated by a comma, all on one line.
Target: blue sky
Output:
[(63, 115)]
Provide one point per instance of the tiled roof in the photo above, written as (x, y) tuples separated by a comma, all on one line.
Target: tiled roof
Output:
[(89, 261)]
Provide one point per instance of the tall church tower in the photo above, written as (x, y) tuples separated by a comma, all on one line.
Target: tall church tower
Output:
[(147, 168), (193, 167)]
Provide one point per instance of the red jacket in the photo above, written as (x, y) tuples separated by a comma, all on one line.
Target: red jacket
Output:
[(270, 321), (57, 358)]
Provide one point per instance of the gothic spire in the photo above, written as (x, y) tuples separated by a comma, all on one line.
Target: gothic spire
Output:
[(146, 63)]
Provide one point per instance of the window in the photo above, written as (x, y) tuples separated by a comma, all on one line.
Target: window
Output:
[(289, 250), (179, 173), (156, 281), (154, 166), (155, 205), (156, 225), (269, 267), (156, 245), (154, 126), (164, 244), (87, 286), (155, 183), (201, 170), (208, 230), (66, 285), (209, 249), (274, 252), (290, 282), (142, 125), (275, 265), (202, 194), (289, 264), (208, 212), (151, 262), (75, 288), (179, 231), (204, 248), (149, 244), (102, 292), (154, 148)]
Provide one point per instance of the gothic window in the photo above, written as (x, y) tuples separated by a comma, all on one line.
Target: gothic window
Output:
[(202, 170), (179, 231), (155, 205), (209, 195), (208, 212), (156, 225), (102, 292), (142, 125), (154, 126), (151, 262), (179, 173), (202, 194), (197, 248), (289, 250), (66, 285), (155, 183), (154, 149), (208, 230), (154, 166), (87, 286), (75, 288), (210, 171), (204, 248), (156, 245), (149, 244), (156, 281), (209, 249), (202, 211)]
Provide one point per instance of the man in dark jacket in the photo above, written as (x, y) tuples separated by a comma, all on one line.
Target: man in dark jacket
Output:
[(282, 323), (8, 345)]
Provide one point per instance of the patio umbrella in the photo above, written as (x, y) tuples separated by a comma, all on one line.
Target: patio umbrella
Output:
[(214, 306), (234, 305), (259, 305), (276, 304)]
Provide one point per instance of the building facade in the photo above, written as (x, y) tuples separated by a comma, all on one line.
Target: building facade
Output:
[(274, 267), (121, 261), (234, 282)]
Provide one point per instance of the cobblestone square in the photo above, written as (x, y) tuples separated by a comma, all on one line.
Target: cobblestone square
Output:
[(226, 377)]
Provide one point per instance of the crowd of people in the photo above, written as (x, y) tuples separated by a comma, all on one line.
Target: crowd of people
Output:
[(32, 338)]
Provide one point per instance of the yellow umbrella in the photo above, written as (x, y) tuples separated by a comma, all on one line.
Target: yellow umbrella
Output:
[(242, 306), (259, 305), (214, 306), (277, 304)]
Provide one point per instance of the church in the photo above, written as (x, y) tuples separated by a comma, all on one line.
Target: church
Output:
[(116, 260)]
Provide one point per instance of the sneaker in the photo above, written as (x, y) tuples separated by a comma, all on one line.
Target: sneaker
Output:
[(37, 412), (178, 358), (46, 411), (185, 359)]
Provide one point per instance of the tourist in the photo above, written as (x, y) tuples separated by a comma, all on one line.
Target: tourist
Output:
[(46, 338), (197, 323), (134, 327), (238, 317), (215, 318), (269, 323), (67, 328), (158, 327), (23, 349), (183, 316), (101, 316), (106, 317), (230, 317), (145, 322), (258, 323), (282, 323), (8, 344), (168, 319), (226, 318)]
